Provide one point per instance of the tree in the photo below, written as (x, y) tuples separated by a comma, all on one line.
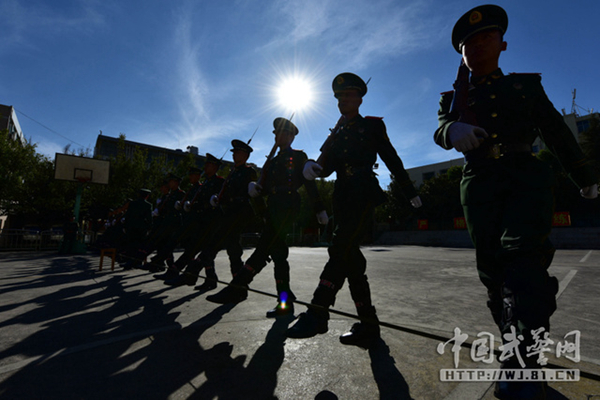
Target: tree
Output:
[(590, 144), (20, 171), (441, 202)]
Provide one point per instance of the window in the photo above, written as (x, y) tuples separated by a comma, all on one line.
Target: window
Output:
[(583, 125)]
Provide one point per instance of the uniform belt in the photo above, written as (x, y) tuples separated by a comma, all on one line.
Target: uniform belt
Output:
[(349, 171), (498, 150), (282, 190), (238, 200)]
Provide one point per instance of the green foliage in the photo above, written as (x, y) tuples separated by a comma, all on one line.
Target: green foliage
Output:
[(441, 202), (307, 216), (590, 144), (23, 173)]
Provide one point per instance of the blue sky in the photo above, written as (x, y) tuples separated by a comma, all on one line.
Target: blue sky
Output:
[(179, 73)]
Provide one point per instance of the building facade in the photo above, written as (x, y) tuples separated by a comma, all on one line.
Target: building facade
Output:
[(576, 123), (107, 147), (10, 122)]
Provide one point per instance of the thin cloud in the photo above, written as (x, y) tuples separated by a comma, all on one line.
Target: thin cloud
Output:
[(22, 23), (360, 32)]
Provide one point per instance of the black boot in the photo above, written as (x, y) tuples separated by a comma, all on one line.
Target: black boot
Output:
[(184, 279), (285, 301), (172, 273), (237, 291), (229, 294), (210, 282), (363, 334), (309, 324)]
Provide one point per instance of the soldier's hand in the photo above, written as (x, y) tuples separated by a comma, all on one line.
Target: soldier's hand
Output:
[(155, 212), (589, 192), (322, 217), (311, 170), (214, 200), (465, 137), (416, 202), (254, 189)]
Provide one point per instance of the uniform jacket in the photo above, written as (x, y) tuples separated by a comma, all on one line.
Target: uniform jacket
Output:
[(514, 109), (139, 215), (353, 153), (283, 177)]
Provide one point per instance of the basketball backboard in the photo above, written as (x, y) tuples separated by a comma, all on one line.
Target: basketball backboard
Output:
[(81, 169)]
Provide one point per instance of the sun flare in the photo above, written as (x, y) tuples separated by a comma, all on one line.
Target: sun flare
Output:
[(295, 94)]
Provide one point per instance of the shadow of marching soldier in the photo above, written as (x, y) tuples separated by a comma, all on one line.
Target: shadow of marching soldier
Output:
[(258, 380), (390, 381)]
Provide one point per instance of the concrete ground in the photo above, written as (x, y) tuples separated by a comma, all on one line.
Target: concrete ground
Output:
[(69, 331)]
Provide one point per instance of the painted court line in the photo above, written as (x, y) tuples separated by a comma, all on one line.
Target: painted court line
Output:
[(562, 285), (585, 258)]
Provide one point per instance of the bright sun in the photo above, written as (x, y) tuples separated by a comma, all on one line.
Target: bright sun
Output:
[(295, 94)]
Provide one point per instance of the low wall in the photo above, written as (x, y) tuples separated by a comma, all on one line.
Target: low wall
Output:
[(562, 238)]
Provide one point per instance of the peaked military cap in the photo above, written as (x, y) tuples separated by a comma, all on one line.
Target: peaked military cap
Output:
[(194, 170), (284, 124), (212, 159), (239, 145), (144, 193), (172, 177), (348, 80), (478, 19)]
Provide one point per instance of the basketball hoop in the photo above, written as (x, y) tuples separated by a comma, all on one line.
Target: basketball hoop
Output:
[(83, 180), (83, 175)]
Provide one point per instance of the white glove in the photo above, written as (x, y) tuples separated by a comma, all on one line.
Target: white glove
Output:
[(589, 192), (311, 170), (158, 201), (178, 205), (322, 217), (214, 200), (155, 212), (187, 206), (254, 189), (416, 202), (465, 137)]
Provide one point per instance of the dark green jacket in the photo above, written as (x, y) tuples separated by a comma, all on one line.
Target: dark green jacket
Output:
[(283, 178), (353, 153), (514, 109), (138, 215)]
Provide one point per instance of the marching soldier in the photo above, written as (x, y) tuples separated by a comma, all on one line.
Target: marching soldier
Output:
[(138, 221), (280, 180), (189, 226), (208, 219), (170, 226), (155, 235), (237, 214), (351, 151), (506, 191)]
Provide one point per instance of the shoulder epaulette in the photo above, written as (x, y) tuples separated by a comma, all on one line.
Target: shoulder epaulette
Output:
[(371, 117), (448, 92)]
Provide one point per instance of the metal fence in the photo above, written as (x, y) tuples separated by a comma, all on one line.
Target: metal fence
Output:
[(23, 239)]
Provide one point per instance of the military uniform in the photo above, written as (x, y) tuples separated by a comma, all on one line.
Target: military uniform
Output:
[(506, 192), (238, 212), (155, 235), (206, 220), (282, 179), (138, 221), (171, 226), (352, 152)]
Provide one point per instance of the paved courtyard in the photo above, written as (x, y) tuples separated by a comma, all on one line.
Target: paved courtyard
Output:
[(69, 331)]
